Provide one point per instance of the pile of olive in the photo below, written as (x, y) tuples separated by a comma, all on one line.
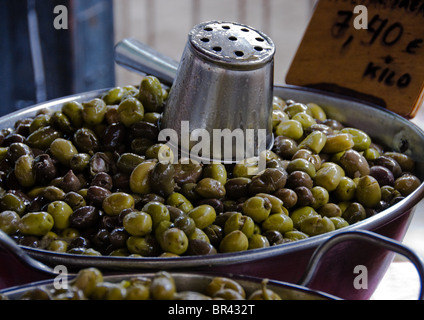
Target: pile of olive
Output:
[(89, 284), (86, 180)]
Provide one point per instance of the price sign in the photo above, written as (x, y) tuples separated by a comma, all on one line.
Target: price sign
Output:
[(372, 50)]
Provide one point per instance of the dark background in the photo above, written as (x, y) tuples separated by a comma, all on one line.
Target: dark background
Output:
[(73, 60)]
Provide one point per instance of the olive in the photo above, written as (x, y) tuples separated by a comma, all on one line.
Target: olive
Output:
[(329, 176), (269, 181), (162, 179), (44, 168), (299, 179), (237, 188), (140, 177), (237, 221), (278, 222), (43, 137), (13, 202), (9, 221), (96, 195), (151, 94), (258, 208), (197, 247), (174, 240), (354, 212), (345, 190), (36, 223), (157, 211), (73, 111), (60, 211), (86, 140), (390, 164), (210, 188), (233, 242), (285, 147), (138, 223), (114, 136), (383, 175), (94, 111), (178, 200), (130, 111), (17, 149), (315, 225), (288, 196), (330, 210), (354, 164), (203, 215), (338, 142), (162, 286), (368, 191), (290, 128), (406, 184), (219, 283), (114, 203), (87, 280), (84, 217), (144, 246), (24, 171)]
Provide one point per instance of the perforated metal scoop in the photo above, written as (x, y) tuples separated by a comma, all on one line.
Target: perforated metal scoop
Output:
[(222, 93)]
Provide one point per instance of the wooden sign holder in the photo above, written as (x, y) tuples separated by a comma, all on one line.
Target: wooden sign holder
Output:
[(371, 50)]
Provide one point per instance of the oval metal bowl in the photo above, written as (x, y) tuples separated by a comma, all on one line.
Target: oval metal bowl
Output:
[(285, 262)]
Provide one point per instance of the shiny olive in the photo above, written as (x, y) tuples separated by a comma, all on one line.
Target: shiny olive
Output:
[(258, 208), (295, 108), (360, 139), (338, 142), (73, 111), (10, 201), (315, 225), (317, 111), (389, 163), (295, 235), (299, 214), (354, 164), (288, 196), (406, 184), (329, 176), (43, 137), (84, 217), (285, 147), (203, 215), (174, 241), (36, 223), (237, 221), (9, 221), (157, 211), (210, 188), (368, 191), (162, 179), (320, 197), (60, 211), (383, 175), (44, 168), (315, 141), (17, 149), (138, 223), (233, 242), (146, 246), (354, 212), (345, 190), (114, 203), (130, 111), (151, 94), (291, 129), (406, 163), (216, 171), (94, 111), (258, 241), (86, 140), (339, 222), (237, 187), (140, 177), (270, 180), (200, 247), (278, 222), (24, 171), (179, 201)]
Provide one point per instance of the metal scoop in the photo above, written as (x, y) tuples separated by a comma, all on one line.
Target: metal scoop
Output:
[(220, 102)]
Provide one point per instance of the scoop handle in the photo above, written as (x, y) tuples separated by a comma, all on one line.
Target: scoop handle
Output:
[(141, 58), (370, 237)]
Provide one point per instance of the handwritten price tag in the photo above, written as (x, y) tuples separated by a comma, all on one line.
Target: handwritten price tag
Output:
[(367, 49)]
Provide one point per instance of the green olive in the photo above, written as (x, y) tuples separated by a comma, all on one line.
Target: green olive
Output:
[(315, 225), (158, 212), (317, 112), (210, 188), (9, 221), (203, 215), (130, 111), (114, 203), (368, 192), (219, 283), (305, 119), (216, 171), (60, 211), (329, 176), (138, 223), (139, 178), (406, 184), (63, 150), (279, 222), (151, 94), (354, 212), (291, 129), (315, 142), (87, 279), (233, 242), (299, 214), (257, 241), (43, 137), (73, 110), (94, 111), (345, 190), (179, 201), (174, 241), (258, 208), (237, 221), (24, 171), (36, 223), (360, 139), (338, 142), (320, 197)]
